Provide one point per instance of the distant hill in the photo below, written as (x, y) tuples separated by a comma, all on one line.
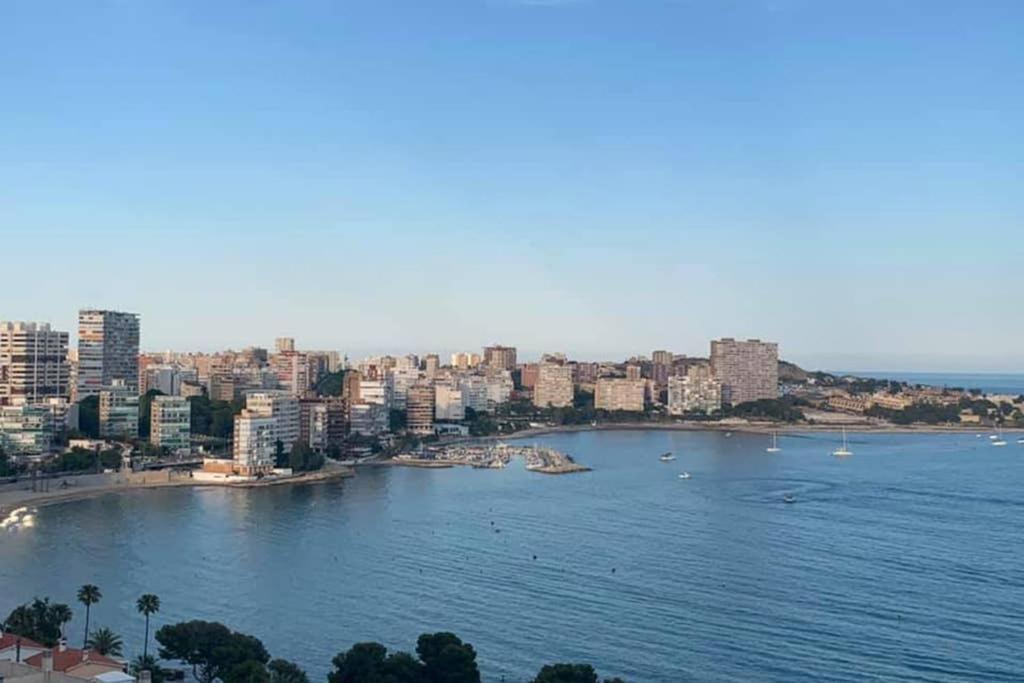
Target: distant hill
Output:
[(791, 372)]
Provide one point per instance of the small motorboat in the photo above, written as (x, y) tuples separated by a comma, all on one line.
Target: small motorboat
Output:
[(1020, 441), (993, 437), (789, 498), (684, 475), (666, 457)]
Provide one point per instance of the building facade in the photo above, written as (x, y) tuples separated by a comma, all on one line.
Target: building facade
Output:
[(420, 409), (554, 387), (282, 408), (747, 370), (696, 392), (108, 351), (448, 405), (26, 430), (119, 411), (33, 363), (500, 357), (170, 423), (255, 443), (618, 394)]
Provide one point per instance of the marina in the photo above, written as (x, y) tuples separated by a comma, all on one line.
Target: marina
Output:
[(492, 456)]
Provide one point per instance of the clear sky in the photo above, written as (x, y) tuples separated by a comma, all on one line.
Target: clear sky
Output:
[(600, 177)]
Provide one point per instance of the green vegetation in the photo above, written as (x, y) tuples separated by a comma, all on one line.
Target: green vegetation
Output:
[(8, 468), (149, 663), (331, 384), (283, 671), (397, 421), (106, 642), (89, 417), (443, 658), (570, 673), (926, 413), (88, 595), (214, 652), (304, 459), (214, 418), (85, 460), (147, 604), (39, 620), (782, 409)]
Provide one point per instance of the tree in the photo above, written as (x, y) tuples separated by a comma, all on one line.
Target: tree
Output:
[(38, 620), (148, 663), (371, 663), (280, 457), (282, 671), (89, 416), (88, 595), (249, 671), (106, 642), (110, 459), (304, 459), (212, 650), (446, 659), (147, 604), (570, 673)]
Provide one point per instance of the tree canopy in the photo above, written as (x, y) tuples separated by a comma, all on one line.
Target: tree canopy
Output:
[(39, 620), (213, 651)]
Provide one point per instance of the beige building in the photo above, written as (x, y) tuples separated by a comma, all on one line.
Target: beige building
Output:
[(282, 408), (33, 363), (108, 351), (465, 361), (501, 357), (616, 393), (448, 403), (554, 387), (748, 370)]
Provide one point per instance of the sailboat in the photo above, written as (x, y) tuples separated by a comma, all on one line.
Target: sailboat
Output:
[(774, 448), (666, 457), (843, 450), (998, 439)]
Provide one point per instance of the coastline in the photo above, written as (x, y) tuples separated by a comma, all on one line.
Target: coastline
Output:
[(15, 496)]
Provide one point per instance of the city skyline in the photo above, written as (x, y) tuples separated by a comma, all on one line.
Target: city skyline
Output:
[(840, 180)]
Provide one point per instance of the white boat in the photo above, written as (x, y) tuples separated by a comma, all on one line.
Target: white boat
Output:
[(684, 475), (789, 498), (774, 448), (1020, 441), (666, 457), (843, 450), (997, 438), (993, 437)]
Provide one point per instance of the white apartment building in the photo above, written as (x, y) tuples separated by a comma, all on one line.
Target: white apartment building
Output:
[(474, 392), (618, 394), (499, 389), (255, 443), (368, 419), (33, 363), (554, 386), (119, 410), (167, 379), (697, 392), (282, 408), (448, 405), (399, 379), (376, 391), (108, 350), (171, 423)]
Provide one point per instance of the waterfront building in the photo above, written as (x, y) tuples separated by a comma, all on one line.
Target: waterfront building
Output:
[(26, 429), (282, 408), (448, 405), (323, 422), (500, 357), (748, 370), (368, 419), (108, 351), (696, 392), (171, 423), (618, 394), (255, 443), (119, 410), (420, 409), (474, 392), (33, 363), (554, 387)]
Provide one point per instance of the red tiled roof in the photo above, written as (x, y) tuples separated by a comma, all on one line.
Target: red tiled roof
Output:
[(71, 657), (10, 640)]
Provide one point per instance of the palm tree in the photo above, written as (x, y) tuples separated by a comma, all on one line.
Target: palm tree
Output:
[(147, 604), (62, 613), (88, 595), (147, 663), (106, 642)]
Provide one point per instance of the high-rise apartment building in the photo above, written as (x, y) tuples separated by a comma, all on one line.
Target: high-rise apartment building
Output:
[(170, 424), (284, 344), (662, 357), (697, 392), (33, 363), (255, 443), (554, 387), (323, 422), (119, 411), (465, 361), (431, 364), (748, 370), (108, 351), (282, 408), (619, 394), (420, 409), (528, 375), (26, 430), (501, 357), (448, 405)]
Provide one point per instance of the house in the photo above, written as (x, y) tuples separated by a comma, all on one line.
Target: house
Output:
[(17, 648), (13, 672), (74, 662)]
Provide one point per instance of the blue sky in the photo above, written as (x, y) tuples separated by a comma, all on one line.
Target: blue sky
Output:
[(601, 177)]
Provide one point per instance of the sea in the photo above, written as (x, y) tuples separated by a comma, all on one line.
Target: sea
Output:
[(989, 383), (902, 562)]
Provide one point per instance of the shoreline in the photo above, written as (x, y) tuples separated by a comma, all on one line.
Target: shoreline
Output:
[(38, 499)]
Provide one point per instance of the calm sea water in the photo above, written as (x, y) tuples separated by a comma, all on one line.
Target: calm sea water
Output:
[(988, 383), (904, 562)]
